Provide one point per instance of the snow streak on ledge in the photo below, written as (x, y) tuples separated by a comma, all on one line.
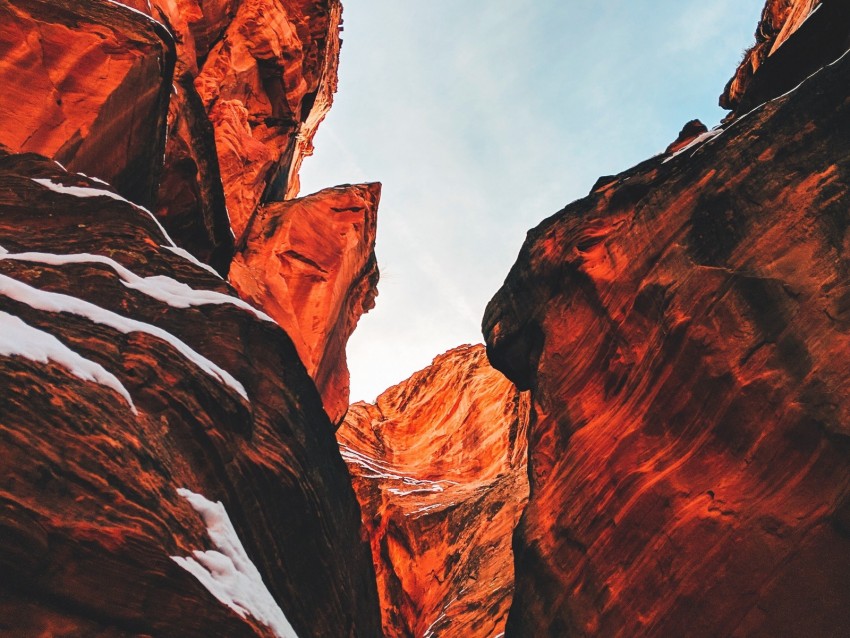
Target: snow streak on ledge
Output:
[(228, 573), (165, 289), (57, 302), (20, 339)]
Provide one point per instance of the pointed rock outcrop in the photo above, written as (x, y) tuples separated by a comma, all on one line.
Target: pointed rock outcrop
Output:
[(310, 263), (439, 467)]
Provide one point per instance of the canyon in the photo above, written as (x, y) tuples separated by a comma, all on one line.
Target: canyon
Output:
[(653, 440)]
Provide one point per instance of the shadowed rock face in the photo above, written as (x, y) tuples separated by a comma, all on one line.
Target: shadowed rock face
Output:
[(684, 330), (310, 263), (794, 39), (135, 372), (439, 468)]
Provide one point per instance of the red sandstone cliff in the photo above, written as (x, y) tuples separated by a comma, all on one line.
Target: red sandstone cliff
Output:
[(230, 94), (438, 465), (310, 263), (684, 331), (136, 388), (129, 372)]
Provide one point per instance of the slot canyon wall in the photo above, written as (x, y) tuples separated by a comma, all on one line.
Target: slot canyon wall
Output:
[(138, 389), (439, 466), (173, 321), (684, 333)]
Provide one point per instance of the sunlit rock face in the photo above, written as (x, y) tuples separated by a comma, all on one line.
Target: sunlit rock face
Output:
[(310, 263), (266, 85), (254, 80), (203, 111), (439, 467), (244, 88), (87, 83), (129, 371), (685, 332)]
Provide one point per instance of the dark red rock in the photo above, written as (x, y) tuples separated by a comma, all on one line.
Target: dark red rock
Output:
[(688, 134), (685, 334), (89, 512), (310, 264), (439, 467), (794, 39)]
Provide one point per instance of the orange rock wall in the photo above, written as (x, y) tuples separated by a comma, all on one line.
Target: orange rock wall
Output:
[(310, 264), (87, 83), (196, 390), (439, 468), (684, 333)]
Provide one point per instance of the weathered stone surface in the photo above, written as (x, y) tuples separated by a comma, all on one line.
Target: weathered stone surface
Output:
[(794, 39), (439, 466), (87, 83), (266, 85), (310, 264), (90, 85), (685, 334), (89, 512)]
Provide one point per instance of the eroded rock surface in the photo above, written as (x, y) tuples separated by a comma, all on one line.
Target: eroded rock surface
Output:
[(87, 84), (794, 39), (266, 85), (310, 263), (129, 371), (684, 330), (439, 467)]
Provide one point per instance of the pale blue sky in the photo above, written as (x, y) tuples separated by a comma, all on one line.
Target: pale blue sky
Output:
[(483, 117)]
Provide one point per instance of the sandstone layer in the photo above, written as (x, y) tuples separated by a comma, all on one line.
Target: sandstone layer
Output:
[(684, 331), (87, 84), (438, 464), (244, 86), (128, 372), (203, 112), (310, 263)]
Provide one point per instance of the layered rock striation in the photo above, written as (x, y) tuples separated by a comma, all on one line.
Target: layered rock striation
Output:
[(684, 332), (130, 372), (438, 464), (168, 467), (203, 112)]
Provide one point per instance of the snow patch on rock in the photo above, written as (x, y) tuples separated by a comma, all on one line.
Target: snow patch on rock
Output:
[(18, 338), (57, 302), (86, 191), (227, 572), (165, 289)]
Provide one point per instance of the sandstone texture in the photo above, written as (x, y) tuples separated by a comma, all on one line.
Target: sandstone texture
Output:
[(685, 331), (439, 467), (129, 371), (203, 112), (266, 85), (87, 84), (310, 263), (168, 468)]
